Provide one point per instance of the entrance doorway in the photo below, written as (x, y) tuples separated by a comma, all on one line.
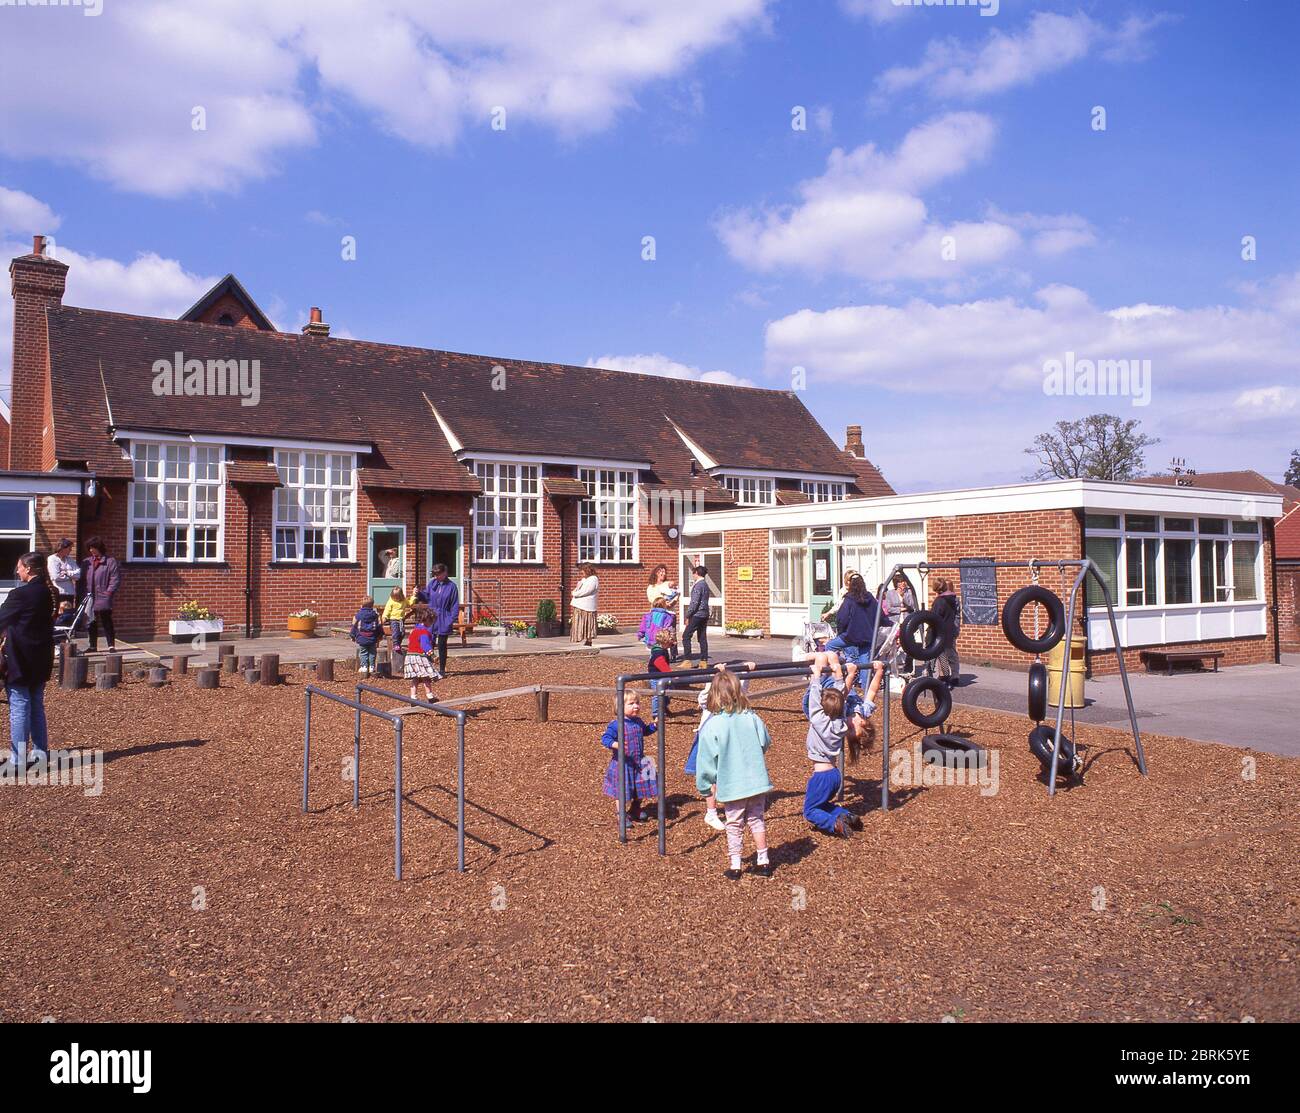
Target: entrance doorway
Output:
[(385, 562), (444, 544), (712, 561)]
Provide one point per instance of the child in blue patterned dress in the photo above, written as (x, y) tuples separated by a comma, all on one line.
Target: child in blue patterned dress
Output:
[(642, 779)]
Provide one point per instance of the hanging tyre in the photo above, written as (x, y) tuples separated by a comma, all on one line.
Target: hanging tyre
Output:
[(1038, 691), (1068, 760), (954, 750), (942, 702), (1016, 606), (907, 636)]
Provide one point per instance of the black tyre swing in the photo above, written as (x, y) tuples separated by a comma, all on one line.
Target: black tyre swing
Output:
[(1016, 606), (952, 749), (1038, 691), (942, 702), (935, 643), (1068, 759)]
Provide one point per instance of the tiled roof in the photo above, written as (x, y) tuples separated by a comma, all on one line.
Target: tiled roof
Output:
[(1287, 534), (560, 486), (252, 471), (870, 479), (1248, 482), (334, 389)]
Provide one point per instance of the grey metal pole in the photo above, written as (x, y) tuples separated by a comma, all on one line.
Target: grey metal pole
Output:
[(1123, 670), (622, 760), (662, 688), (884, 746), (356, 755), (460, 793), (1065, 679), (397, 804), (306, 751)]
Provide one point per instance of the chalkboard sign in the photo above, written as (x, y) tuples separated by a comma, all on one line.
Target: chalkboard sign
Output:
[(979, 592)]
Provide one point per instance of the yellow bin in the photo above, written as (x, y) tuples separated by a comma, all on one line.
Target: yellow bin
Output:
[(1055, 662)]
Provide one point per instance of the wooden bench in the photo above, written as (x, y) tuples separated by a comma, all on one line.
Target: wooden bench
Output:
[(1171, 657)]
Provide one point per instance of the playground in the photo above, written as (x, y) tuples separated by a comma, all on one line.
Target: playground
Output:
[(194, 886)]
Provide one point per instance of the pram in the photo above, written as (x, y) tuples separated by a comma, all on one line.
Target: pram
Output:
[(64, 632)]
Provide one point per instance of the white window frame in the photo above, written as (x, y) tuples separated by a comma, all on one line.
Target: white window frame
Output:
[(1197, 537), (608, 491), (782, 552), (505, 500), (164, 454), (319, 482), (819, 490), (750, 490), (8, 580)]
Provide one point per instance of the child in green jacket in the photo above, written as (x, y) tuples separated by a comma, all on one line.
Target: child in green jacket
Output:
[(732, 744)]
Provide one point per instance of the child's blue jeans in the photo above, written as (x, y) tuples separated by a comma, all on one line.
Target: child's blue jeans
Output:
[(367, 656), (818, 806)]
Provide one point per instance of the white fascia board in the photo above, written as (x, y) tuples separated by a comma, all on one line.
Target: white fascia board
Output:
[(452, 440), (359, 447), (707, 462), (46, 485), (468, 457), (1063, 494), (767, 473)]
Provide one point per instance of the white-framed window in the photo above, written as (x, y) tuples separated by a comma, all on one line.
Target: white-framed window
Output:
[(607, 526), (818, 491), (17, 536), (1150, 560), (315, 506), (508, 514), (789, 568), (751, 490), (176, 502)]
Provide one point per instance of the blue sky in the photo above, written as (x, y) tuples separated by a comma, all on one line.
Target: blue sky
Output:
[(775, 248)]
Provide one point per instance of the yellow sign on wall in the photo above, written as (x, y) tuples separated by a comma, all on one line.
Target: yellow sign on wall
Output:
[(745, 572)]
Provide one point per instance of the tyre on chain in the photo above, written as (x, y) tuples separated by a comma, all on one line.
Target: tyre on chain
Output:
[(1016, 605), (952, 749), (934, 645), (1068, 760), (942, 702), (1038, 691)]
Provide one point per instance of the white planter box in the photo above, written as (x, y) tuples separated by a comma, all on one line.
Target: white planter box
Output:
[(745, 633), (183, 630)]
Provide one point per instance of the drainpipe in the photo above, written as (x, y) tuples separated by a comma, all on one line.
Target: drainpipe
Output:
[(561, 506), (1079, 516), (248, 563), (1270, 536), (418, 500)]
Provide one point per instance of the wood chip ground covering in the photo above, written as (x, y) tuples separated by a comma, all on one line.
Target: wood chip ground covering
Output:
[(193, 887)]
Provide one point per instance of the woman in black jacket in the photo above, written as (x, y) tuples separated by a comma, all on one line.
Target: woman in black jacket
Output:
[(27, 624), (948, 607)]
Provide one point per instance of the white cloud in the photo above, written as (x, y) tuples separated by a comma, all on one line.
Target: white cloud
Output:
[(999, 345), (21, 214), (952, 70), (877, 11), (266, 74), (148, 285), (864, 217), (656, 364), (1268, 401)]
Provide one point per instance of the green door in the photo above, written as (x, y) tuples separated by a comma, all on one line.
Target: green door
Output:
[(444, 544), (385, 562), (822, 595)]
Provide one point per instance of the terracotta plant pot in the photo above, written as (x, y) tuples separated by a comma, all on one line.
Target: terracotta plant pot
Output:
[(302, 627)]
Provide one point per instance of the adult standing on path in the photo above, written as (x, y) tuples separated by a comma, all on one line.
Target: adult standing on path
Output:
[(64, 571), (444, 609), (948, 608), (27, 620), (101, 578), (584, 605), (697, 615)]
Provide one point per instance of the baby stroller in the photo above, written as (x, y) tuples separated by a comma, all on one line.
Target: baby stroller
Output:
[(67, 625)]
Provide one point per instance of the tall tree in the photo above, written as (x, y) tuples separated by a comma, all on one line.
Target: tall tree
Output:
[(1099, 446), (1293, 469)]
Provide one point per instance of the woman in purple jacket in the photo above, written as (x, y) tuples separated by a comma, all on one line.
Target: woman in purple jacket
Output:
[(444, 609), (100, 578)]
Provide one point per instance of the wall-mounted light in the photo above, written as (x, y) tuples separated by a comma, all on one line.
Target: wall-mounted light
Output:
[(672, 534), (92, 488)]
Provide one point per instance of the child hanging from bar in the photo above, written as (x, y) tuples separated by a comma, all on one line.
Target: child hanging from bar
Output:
[(642, 779), (711, 816), (835, 720), (731, 761)]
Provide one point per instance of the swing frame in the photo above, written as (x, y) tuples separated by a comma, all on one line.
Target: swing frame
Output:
[(1086, 568)]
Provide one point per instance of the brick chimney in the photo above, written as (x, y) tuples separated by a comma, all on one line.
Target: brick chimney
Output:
[(853, 441), (316, 326), (37, 283)]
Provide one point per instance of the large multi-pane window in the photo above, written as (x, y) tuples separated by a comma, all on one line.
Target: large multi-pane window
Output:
[(1147, 560), (789, 567), (817, 491), (751, 490), (315, 506), (175, 501), (508, 514), (607, 516)]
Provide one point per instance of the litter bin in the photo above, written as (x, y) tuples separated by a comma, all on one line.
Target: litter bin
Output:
[(1055, 663)]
